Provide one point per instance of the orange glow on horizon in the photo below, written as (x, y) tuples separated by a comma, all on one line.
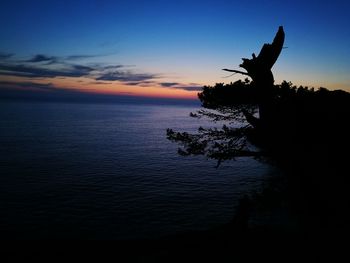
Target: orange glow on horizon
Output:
[(116, 88), (113, 88), (150, 92)]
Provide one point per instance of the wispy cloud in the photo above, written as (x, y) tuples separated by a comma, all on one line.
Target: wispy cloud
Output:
[(111, 67), (53, 59), (40, 91), (79, 57), (127, 76), (42, 66), (99, 83), (23, 70), (176, 85), (26, 85), (42, 58), (5, 55), (189, 88), (168, 84)]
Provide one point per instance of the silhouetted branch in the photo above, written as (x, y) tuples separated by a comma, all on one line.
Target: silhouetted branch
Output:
[(230, 115), (220, 144), (236, 71)]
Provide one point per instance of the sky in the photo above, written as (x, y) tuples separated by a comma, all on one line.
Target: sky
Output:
[(165, 49)]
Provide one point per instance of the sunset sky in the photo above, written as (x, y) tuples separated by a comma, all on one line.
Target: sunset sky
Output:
[(165, 48)]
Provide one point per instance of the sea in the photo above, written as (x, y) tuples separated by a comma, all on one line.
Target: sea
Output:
[(107, 171)]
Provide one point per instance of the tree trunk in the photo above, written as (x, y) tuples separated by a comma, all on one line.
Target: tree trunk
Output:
[(259, 69)]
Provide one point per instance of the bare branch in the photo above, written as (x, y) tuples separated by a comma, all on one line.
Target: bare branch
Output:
[(236, 71)]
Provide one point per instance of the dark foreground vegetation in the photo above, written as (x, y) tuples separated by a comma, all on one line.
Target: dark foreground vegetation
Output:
[(304, 133), (302, 212)]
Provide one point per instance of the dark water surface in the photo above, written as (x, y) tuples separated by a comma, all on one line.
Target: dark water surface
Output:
[(108, 171)]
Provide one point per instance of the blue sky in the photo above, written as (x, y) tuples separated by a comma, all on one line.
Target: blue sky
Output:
[(150, 45)]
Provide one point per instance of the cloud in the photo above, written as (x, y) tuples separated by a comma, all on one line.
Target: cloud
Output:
[(40, 91), (35, 68), (85, 70), (176, 85), (126, 76), (189, 88), (53, 59), (23, 70), (99, 83), (43, 66), (78, 57), (5, 55), (168, 84), (110, 67), (27, 85), (42, 58)]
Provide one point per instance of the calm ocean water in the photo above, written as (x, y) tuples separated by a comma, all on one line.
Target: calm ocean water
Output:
[(108, 171)]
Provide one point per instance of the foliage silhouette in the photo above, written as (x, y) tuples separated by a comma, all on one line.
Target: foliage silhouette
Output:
[(290, 119), (303, 131)]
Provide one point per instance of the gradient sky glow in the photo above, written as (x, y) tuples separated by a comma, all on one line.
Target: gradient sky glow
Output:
[(166, 48)]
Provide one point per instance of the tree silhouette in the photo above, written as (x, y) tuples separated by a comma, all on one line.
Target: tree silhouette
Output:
[(235, 102), (305, 132), (263, 119)]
